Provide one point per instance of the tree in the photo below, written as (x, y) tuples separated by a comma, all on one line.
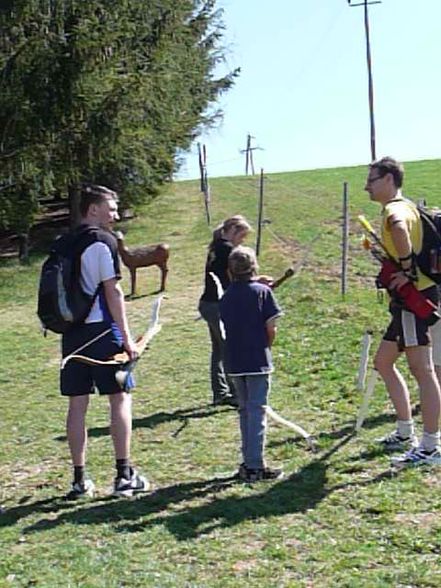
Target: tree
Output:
[(102, 91)]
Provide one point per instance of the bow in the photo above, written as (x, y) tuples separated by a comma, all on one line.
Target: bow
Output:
[(122, 358), (310, 441)]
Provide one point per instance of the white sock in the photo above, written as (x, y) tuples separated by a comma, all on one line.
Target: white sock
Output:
[(405, 428), (430, 441)]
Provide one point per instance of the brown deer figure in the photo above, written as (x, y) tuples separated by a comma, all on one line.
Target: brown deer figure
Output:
[(143, 256)]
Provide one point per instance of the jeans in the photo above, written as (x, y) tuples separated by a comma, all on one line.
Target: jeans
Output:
[(252, 394), (221, 384)]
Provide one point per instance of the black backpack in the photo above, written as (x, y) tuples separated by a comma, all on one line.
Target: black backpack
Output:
[(62, 302), (429, 258)]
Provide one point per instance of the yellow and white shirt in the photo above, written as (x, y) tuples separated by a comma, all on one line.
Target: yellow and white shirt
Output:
[(406, 211)]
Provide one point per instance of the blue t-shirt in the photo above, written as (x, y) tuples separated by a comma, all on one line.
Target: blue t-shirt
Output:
[(245, 309)]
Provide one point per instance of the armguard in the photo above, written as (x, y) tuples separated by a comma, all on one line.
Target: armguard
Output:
[(413, 299)]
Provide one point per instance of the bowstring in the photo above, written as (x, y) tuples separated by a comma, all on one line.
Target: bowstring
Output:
[(68, 357)]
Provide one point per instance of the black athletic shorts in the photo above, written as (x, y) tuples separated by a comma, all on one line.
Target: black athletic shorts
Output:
[(76, 378), (406, 329)]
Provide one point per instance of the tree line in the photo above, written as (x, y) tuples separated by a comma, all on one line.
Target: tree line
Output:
[(105, 91)]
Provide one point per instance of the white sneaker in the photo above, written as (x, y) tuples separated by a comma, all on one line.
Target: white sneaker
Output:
[(416, 457), (127, 488), (79, 490)]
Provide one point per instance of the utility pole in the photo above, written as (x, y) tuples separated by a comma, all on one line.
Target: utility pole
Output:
[(249, 155), (365, 3)]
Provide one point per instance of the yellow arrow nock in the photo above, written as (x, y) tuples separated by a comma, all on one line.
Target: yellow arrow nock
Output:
[(365, 223)]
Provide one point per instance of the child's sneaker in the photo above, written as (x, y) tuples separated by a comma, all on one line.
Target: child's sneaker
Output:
[(394, 441), (262, 474), (84, 489), (417, 457), (136, 483)]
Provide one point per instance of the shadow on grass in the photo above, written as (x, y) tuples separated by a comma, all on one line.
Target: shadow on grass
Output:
[(24, 509), (300, 492), (154, 420), (129, 297), (112, 509)]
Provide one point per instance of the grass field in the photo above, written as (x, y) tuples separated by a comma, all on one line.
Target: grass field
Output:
[(338, 518)]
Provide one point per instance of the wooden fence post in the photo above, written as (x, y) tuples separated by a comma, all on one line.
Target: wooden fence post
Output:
[(259, 216), (205, 188), (344, 256)]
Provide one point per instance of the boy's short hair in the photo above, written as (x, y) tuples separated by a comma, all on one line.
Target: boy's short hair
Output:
[(242, 263), (94, 194)]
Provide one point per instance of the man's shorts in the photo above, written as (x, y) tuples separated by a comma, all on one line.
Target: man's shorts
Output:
[(435, 334), (405, 328), (76, 378)]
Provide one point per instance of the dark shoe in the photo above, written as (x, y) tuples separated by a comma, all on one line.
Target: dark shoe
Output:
[(394, 441), (226, 400), (241, 472), (129, 487), (263, 474), (85, 489)]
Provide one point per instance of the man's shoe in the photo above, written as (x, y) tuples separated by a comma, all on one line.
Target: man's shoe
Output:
[(127, 488), (417, 457), (79, 490), (262, 474), (394, 441)]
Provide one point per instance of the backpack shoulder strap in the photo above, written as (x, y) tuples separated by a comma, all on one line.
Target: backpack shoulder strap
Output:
[(82, 237)]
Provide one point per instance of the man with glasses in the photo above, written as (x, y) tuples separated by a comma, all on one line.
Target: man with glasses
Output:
[(401, 234)]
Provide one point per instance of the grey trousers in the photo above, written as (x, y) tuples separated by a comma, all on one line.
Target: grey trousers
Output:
[(221, 384)]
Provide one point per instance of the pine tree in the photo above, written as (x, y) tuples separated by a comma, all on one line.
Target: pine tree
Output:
[(104, 91)]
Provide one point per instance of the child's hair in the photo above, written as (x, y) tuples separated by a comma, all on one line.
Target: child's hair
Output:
[(242, 263), (238, 222)]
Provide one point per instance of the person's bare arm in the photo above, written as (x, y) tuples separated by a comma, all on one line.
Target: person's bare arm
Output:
[(400, 236), (271, 330), (403, 245), (115, 301)]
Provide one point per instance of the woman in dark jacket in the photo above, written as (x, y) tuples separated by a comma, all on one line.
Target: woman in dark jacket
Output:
[(226, 236)]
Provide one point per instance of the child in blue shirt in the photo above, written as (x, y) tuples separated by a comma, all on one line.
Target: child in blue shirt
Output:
[(249, 311)]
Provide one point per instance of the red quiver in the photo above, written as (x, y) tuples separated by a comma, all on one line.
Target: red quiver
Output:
[(412, 298)]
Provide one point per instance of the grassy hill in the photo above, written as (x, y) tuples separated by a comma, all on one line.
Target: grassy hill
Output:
[(339, 518)]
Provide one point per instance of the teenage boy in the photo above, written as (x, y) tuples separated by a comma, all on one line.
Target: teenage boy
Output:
[(100, 272)]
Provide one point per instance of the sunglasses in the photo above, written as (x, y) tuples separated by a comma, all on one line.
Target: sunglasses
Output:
[(372, 180)]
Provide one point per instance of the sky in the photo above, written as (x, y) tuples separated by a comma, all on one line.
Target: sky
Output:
[(303, 88)]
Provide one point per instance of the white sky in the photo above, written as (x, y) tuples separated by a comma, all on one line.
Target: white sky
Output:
[(302, 91)]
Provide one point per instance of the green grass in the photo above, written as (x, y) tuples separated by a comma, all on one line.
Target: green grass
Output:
[(339, 518)]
